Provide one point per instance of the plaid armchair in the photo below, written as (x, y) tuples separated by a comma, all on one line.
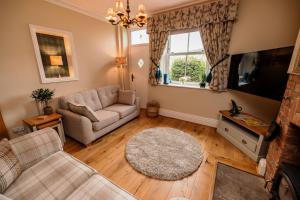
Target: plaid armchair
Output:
[(50, 173)]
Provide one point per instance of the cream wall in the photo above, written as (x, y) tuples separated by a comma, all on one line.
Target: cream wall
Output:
[(262, 24), (95, 45)]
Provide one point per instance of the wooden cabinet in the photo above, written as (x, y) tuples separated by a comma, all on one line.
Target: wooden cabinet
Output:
[(248, 138), (3, 130)]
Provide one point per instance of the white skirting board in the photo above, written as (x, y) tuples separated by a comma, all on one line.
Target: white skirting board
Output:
[(189, 117)]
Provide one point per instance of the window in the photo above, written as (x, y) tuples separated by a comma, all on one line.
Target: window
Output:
[(185, 60), (139, 37)]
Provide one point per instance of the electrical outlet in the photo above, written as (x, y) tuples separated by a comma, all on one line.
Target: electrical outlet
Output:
[(18, 129)]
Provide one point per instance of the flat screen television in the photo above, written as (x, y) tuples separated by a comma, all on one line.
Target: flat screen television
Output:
[(262, 73)]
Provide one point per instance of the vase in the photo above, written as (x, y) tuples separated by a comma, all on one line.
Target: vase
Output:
[(39, 106), (158, 75)]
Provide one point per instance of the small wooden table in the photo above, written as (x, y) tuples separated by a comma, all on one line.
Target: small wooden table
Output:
[(43, 121)]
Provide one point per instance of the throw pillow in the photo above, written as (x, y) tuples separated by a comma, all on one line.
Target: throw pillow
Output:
[(84, 110), (10, 167), (126, 97)]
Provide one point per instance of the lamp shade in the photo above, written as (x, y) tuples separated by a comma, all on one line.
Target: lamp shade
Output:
[(56, 60), (121, 60)]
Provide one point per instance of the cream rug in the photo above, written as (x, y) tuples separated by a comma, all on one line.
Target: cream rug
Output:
[(164, 153)]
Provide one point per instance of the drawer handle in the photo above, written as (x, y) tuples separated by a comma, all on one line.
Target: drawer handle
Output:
[(226, 129), (244, 141)]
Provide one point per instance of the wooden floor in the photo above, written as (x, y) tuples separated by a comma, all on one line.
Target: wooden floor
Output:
[(107, 156)]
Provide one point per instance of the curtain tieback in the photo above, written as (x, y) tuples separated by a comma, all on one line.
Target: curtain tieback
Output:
[(209, 76)]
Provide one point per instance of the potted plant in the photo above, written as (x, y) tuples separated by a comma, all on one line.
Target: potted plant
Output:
[(203, 81), (42, 97)]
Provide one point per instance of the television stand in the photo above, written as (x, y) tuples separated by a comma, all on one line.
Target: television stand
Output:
[(246, 132)]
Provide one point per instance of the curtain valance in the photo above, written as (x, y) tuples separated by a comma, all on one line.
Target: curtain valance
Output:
[(193, 16)]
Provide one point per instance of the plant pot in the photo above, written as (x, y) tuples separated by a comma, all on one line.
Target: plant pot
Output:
[(202, 85), (48, 110)]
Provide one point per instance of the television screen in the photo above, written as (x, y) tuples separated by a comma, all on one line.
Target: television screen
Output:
[(262, 73)]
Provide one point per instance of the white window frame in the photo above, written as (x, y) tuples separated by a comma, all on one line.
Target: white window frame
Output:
[(169, 54), (137, 29)]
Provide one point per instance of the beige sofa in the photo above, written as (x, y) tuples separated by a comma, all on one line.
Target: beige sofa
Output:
[(104, 101), (49, 173)]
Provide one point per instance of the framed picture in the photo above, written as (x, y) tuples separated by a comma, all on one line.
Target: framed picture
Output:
[(55, 54), (295, 61)]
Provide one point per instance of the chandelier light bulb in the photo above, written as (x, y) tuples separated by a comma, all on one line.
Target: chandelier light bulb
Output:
[(111, 15), (119, 7), (141, 8)]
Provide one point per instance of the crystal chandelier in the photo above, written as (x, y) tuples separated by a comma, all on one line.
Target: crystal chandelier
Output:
[(122, 16)]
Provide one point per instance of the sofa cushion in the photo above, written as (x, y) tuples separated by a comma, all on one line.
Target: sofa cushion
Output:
[(10, 167), (126, 97), (55, 177), (98, 187), (89, 98), (108, 95), (123, 110), (106, 118), (84, 110), (34, 147)]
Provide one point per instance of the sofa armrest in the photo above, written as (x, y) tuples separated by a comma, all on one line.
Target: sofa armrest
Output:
[(77, 126), (36, 146)]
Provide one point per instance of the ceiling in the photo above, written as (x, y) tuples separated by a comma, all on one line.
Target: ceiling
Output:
[(98, 8)]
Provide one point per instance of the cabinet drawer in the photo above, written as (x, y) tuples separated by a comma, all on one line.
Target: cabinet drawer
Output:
[(238, 134)]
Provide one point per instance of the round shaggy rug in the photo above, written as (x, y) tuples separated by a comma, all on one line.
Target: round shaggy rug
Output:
[(164, 153)]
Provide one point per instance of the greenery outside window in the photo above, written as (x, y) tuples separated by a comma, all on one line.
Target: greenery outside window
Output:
[(185, 59)]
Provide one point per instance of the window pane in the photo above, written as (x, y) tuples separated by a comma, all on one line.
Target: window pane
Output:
[(179, 43), (195, 43), (196, 67), (177, 67), (139, 37)]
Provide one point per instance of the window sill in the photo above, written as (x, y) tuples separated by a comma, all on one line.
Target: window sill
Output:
[(185, 86)]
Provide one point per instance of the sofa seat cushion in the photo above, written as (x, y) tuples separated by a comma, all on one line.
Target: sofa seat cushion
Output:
[(108, 95), (123, 110), (89, 98), (55, 177), (98, 187), (106, 118)]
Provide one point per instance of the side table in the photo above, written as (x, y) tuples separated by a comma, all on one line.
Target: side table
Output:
[(43, 121)]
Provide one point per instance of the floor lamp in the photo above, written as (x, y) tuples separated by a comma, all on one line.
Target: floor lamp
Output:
[(121, 61)]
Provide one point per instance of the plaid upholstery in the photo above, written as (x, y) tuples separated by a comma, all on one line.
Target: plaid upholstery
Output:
[(55, 177), (98, 187), (10, 167), (34, 147), (2, 197)]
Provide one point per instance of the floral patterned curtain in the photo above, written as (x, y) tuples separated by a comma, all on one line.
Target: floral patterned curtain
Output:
[(157, 44), (214, 19), (216, 38)]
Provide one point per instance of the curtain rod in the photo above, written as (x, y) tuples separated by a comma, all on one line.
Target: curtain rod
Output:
[(183, 6)]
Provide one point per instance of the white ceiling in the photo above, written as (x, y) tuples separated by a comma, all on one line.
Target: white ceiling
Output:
[(98, 8)]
